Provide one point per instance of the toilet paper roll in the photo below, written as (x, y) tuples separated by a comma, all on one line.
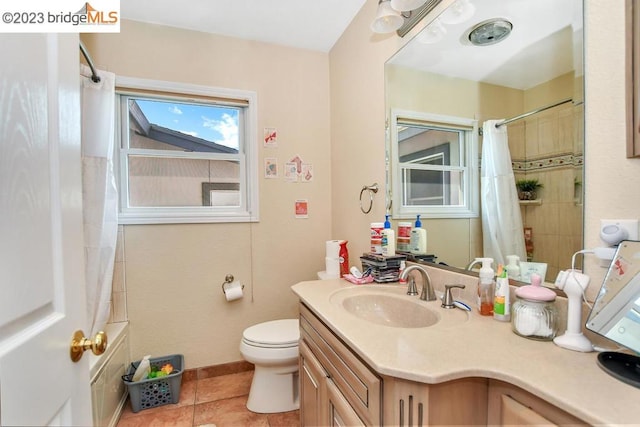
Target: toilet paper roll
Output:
[(332, 267), (233, 291), (332, 249)]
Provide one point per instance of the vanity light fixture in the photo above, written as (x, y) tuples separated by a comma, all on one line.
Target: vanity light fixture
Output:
[(459, 12), (401, 15), (407, 5), (387, 18)]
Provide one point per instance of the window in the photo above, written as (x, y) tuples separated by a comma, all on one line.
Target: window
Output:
[(434, 165), (186, 153)]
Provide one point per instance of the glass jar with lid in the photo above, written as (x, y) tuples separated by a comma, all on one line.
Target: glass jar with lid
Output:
[(534, 313)]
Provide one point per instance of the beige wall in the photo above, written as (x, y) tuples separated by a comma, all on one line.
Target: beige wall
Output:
[(174, 273)]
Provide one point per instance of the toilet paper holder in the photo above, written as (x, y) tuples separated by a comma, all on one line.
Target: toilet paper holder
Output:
[(228, 279)]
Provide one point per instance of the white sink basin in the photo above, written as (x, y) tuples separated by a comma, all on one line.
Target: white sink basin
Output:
[(390, 311), (390, 306)]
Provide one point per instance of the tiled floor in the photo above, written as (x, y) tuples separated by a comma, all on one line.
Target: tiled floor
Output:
[(218, 400)]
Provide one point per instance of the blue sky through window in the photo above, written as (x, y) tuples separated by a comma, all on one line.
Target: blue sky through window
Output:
[(212, 123)]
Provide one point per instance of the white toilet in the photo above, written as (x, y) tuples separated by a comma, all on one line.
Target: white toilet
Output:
[(273, 348)]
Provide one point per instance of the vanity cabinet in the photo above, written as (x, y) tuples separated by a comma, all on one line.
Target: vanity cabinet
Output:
[(510, 405), (337, 388), (458, 402)]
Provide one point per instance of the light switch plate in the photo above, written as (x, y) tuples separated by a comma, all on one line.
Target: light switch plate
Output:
[(631, 225)]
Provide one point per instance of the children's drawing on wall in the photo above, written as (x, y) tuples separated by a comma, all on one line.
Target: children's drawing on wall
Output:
[(302, 208), (296, 170), (270, 137), (307, 172), (270, 167), (298, 161), (290, 172)]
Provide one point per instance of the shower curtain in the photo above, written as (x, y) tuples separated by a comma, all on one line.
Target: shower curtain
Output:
[(99, 193), (501, 219)]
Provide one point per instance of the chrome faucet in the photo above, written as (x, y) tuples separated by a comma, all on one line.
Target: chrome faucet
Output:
[(427, 288)]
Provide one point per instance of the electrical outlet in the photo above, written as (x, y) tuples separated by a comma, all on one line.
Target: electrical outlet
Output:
[(631, 225)]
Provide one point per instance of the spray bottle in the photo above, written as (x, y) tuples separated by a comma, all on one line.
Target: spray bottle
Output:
[(501, 303), (486, 286)]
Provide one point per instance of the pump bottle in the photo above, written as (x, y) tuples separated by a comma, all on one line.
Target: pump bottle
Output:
[(418, 242), (513, 269), (388, 239), (486, 286)]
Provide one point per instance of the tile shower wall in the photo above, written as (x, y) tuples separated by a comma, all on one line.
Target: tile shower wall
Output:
[(119, 288), (545, 147)]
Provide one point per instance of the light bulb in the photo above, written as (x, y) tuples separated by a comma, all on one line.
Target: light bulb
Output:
[(433, 33), (387, 19), (407, 5)]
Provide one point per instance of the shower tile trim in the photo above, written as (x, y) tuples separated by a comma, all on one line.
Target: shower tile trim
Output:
[(564, 160)]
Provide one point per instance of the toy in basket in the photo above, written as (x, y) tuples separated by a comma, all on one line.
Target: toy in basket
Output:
[(161, 390)]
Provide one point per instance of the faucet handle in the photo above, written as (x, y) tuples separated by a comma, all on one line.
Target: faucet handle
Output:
[(447, 299), (411, 288)]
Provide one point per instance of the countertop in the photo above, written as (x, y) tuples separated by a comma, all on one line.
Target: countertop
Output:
[(479, 347)]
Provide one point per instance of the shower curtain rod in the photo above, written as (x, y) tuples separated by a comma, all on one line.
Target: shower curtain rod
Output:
[(539, 110), (94, 76)]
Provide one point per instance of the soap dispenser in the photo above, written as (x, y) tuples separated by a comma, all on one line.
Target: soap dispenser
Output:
[(388, 239), (513, 269), (486, 286), (418, 242)]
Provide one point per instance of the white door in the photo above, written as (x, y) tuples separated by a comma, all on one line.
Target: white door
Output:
[(42, 297)]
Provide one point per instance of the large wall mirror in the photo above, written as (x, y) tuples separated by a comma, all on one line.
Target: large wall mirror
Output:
[(525, 68)]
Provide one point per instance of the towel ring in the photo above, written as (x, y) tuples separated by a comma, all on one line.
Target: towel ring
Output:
[(372, 189)]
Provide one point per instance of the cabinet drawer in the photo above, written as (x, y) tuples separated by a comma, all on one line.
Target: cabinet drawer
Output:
[(359, 385)]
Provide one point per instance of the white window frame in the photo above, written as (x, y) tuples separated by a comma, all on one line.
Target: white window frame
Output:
[(470, 170), (248, 211)]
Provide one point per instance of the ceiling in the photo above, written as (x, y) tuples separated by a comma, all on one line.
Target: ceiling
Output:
[(545, 42), (306, 24)]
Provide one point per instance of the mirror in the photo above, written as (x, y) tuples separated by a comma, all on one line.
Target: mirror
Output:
[(616, 313), (538, 64)]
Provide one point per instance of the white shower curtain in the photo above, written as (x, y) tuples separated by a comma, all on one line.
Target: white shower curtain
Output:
[(501, 219), (99, 194)]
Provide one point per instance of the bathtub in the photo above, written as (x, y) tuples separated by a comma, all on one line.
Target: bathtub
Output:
[(108, 392)]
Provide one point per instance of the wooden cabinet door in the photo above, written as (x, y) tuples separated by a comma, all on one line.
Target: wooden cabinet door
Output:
[(511, 405), (340, 412), (513, 413), (313, 406)]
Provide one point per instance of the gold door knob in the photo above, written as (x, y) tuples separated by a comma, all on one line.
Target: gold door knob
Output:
[(80, 344)]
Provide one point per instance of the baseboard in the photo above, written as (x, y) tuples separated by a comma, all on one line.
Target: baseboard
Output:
[(216, 370)]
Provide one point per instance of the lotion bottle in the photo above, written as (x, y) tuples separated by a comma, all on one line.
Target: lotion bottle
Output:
[(418, 242), (486, 286), (513, 269), (388, 239)]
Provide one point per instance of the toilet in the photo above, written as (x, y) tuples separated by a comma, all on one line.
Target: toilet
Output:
[(273, 348)]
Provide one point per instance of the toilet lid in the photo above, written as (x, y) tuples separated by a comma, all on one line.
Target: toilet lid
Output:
[(275, 333)]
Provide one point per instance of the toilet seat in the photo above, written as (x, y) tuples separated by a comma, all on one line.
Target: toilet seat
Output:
[(283, 333)]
